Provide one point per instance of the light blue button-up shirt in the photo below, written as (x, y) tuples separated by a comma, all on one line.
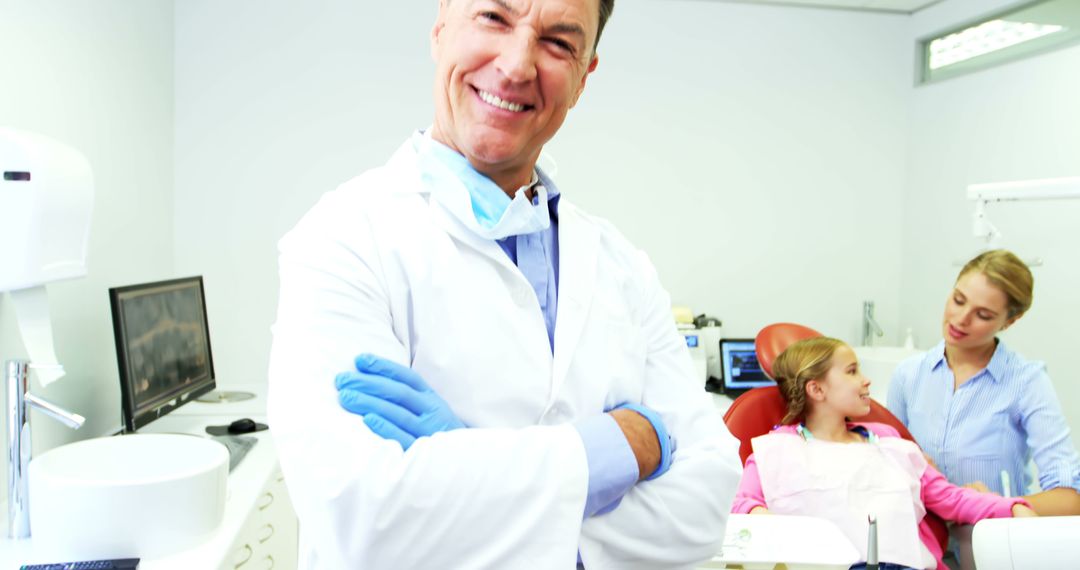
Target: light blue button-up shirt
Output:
[(999, 420), (537, 256)]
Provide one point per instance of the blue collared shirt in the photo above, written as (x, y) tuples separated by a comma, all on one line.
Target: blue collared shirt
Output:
[(999, 420), (613, 469), (537, 256)]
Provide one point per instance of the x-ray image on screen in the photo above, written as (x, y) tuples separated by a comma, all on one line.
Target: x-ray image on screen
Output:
[(163, 346)]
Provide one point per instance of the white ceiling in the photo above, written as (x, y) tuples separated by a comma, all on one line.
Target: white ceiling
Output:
[(901, 6)]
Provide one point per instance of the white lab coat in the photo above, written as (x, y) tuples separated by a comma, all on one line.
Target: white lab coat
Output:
[(380, 265)]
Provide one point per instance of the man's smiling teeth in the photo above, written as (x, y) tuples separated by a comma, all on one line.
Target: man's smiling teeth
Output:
[(495, 101)]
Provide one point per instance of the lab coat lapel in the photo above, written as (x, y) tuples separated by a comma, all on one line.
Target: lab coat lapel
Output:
[(449, 223), (405, 161), (579, 249)]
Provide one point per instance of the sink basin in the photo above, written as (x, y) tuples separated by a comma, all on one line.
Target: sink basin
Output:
[(878, 363), (143, 495)]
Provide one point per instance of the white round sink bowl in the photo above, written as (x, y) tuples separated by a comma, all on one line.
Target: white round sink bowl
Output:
[(144, 495)]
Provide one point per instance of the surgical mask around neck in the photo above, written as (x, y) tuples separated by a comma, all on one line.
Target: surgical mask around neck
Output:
[(475, 199)]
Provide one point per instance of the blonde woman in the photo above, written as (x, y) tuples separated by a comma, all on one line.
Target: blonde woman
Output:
[(979, 409), (821, 464)]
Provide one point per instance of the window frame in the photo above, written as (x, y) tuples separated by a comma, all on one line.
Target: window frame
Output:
[(925, 76)]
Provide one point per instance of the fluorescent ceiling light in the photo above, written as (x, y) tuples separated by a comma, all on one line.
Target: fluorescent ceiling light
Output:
[(983, 39)]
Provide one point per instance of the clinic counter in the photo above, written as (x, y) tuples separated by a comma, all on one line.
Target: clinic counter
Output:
[(258, 525)]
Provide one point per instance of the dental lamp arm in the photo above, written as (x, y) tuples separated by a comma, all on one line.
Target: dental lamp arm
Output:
[(981, 226), (1047, 189)]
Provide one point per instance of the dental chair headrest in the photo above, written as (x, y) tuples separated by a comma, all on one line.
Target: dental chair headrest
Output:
[(775, 338)]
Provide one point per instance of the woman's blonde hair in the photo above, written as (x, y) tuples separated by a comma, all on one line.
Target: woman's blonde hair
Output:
[(1006, 272), (802, 362)]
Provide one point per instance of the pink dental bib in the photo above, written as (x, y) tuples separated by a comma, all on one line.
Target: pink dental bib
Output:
[(846, 482)]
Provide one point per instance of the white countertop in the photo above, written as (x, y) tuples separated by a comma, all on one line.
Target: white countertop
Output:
[(244, 485), (721, 402)]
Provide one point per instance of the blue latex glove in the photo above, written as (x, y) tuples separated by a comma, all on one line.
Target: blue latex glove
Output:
[(395, 401), (667, 444)]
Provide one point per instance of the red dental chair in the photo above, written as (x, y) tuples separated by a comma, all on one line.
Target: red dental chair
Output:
[(757, 411)]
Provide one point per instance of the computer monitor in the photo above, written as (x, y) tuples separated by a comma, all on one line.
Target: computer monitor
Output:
[(162, 347), (741, 370)]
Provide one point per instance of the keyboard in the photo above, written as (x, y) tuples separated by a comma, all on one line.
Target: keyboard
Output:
[(114, 564)]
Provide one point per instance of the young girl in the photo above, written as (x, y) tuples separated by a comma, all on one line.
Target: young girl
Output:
[(829, 467)]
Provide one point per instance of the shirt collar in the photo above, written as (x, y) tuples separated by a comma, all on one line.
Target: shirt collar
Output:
[(995, 368), (459, 163), (552, 193), (937, 356)]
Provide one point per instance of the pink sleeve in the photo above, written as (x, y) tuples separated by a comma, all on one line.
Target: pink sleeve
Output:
[(962, 505), (749, 494)]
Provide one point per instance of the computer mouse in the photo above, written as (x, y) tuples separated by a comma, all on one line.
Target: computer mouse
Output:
[(242, 425)]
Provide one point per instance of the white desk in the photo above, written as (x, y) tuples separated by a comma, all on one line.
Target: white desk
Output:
[(258, 529), (721, 402)]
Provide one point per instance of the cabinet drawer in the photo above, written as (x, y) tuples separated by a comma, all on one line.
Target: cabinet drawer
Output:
[(268, 538)]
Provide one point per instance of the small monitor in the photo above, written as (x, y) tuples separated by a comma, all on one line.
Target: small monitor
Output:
[(740, 366), (162, 347)]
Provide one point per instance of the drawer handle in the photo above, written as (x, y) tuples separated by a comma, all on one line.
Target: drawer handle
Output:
[(270, 528), (266, 500), (250, 552), (269, 560)]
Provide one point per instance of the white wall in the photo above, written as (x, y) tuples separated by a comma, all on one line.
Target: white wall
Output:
[(97, 76), (277, 103), (701, 119), (1013, 122), (755, 152)]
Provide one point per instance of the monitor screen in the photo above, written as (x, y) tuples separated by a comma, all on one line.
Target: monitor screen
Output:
[(740, 365), (162, 347)]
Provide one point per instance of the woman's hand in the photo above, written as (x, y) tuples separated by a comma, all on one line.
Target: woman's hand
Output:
[(764, 511), (1019, 510)]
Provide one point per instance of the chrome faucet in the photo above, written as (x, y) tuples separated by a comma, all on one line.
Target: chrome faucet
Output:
[(19, 400), (870, 327)]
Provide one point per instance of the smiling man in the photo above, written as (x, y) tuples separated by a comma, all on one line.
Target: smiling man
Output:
[(507, 75), (470, 372)]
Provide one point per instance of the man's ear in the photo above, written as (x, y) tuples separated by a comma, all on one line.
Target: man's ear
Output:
[(581, 86), (437, 28)]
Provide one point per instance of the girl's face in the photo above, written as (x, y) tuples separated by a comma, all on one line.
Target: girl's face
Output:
[(843, 388), (975, 312)]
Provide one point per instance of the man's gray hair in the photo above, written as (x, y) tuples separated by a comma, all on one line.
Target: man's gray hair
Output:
[(606, 8)]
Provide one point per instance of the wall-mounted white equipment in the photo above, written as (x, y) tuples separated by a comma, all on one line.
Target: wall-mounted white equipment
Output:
[(46, 198), (1046, 189), (46, 195)]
